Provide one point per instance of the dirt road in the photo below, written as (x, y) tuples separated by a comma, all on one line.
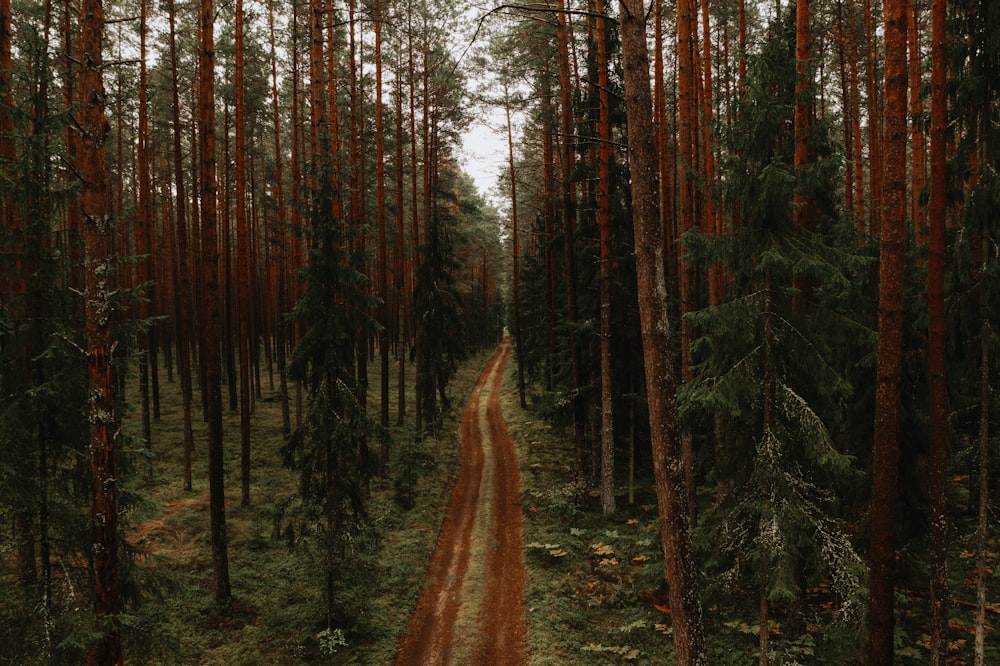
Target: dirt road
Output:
[(471, 609)]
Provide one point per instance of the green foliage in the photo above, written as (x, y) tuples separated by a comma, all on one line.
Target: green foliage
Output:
[(332, 449), (770, 376), (437, 307)]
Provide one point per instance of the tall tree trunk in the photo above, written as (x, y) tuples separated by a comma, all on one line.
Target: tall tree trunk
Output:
[(281, 262), (98, 293), (938, 412), (143, 223), (604, 226), (399, 259), (242, 256), (569, 233), (382, 269), (803, 210), (210, 349), (516, 237), (667, 222), (183, 293), (679, 566), (548, 218), (859, 165), (918, 170), (801, 118), (875, 158), (849, 110), (885, 459), (710, 217), (687, 145)]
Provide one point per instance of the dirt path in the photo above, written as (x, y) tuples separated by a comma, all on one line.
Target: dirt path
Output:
[(471, 609)]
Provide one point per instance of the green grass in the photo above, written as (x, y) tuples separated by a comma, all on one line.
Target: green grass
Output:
[(277, 609)]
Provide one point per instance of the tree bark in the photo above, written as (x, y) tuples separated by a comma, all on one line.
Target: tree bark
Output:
[(98, 294), (242, 256), (936, 341), (604, 226), (181, 250), (918, 166), (569, 233), (280, 261), (382, 269), (210, 350), (885, 459), (875, 158), (516, 251), (687, 128), (679, 566)]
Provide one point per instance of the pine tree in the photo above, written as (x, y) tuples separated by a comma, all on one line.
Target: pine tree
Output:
[(679, 566), (99, 293)]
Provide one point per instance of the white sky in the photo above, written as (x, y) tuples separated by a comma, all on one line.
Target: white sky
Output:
[(483, 153)]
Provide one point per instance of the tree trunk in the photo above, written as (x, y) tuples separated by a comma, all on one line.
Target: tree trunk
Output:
[(859, 165), (918, 178), (382, 269), (885, 459), (801, 119), (516, 269), (604, 226), (210, 350), (98, 293), (938, 412), (679, 566), (874, 123), (143, 223), (242, 257), (279, 229), (569, 233), (183, 293), (667, 222)]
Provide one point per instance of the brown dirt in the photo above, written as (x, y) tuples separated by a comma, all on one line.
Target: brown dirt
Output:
[(159, 536), (500, 621)]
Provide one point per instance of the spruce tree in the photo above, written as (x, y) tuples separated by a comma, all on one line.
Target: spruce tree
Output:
[(767, 371), (331, 450)]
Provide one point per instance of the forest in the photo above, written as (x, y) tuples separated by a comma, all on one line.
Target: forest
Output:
[(741, 250)]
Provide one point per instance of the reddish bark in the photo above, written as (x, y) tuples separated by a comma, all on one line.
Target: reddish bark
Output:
[(516, 251), (569, 230), (95, 213), (885, 459), (382, 268), (918, 171), (874, 123), (604, 226), (801, 119), (280, 249), (242, 256), (687, 124), (183, 293), (209, 320), (679, 566), (937, 415)]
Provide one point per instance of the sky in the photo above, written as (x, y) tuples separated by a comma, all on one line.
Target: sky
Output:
[(484, 153)]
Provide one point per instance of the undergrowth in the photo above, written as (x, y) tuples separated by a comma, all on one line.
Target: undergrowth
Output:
[(596, 595), (276, 615)]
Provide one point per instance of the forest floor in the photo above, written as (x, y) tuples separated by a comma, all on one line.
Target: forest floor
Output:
[(583, 588), (471, 608)]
